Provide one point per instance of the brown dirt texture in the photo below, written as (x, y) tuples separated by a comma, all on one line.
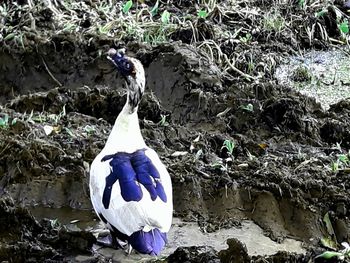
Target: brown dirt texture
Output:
[(237, 145)]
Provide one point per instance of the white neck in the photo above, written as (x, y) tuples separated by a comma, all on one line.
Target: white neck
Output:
[(126, 134)]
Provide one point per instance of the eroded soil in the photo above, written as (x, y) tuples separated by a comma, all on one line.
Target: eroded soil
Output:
[(287, 170)]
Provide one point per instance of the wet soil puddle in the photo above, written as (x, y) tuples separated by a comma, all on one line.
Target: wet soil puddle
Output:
[(323, 75), (181, 234)]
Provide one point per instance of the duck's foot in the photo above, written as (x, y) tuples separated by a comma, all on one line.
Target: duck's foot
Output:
[(111, 241), (128, 249), (107, 241)]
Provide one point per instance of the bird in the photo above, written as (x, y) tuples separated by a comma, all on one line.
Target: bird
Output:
[(130, 187)]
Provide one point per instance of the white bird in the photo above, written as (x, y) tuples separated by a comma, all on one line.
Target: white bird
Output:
[(130, 187)]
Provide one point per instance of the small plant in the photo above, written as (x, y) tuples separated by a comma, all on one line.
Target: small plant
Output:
[(334, 166), (55, 223), (127, 6), (274, 21), (4, 122), (229, 146), (341, 254), (163, 122), (246, 39), (344, 27), (341, 162), (302, 3), (249, 107), (89, 129), (321, 13), (155, 8), (202, 14), (219, 165), (69, 132), (165, 18)]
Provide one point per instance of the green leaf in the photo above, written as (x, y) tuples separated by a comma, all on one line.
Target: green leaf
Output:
[(328, 223), (330, 254), (6, 119), (229, 145), (335, 166), (14, 121), (155, 8), (321, 13), (344, 27), (301, 3), (10, 36), (127, 6), (248, 107), (202, 14), (343, 158), (165, 17), (329, 243), (71, 134), (2, 122)]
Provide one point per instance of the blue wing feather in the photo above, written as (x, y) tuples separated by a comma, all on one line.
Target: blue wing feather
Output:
[(131, 170), (130, 189)]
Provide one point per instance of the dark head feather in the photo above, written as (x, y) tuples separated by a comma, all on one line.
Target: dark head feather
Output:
[(122, 62)]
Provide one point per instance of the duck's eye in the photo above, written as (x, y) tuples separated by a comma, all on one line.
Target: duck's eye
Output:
[(127, 65)]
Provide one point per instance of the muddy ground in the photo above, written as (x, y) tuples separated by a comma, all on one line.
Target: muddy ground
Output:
[(288, 171)]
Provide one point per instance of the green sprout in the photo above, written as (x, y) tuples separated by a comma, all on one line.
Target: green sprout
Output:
[(246, 39), (249, 107), (344, 27), (219, 165), (127, 6), (302, 3), (202, 14), (321, 13), (155, 8), (343, 158), (70, 133), (274, 21), (341, 162), (229, 146), (4, 122), (334, 166), (163, 122), (165, 18), (89, 129)]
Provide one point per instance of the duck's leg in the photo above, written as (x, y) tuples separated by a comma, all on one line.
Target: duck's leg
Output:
[(128, 249), (111, 240)]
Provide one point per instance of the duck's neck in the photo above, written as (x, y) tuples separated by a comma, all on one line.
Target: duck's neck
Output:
[(126, 134)]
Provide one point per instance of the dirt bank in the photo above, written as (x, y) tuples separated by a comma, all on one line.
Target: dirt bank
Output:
[(238, 146)]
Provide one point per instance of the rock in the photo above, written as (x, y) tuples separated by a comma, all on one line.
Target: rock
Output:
[(194, 254), (236, 252)]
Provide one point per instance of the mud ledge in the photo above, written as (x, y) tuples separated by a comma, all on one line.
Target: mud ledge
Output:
[(281, 172)]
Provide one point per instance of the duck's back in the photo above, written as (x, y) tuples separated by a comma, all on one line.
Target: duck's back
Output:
[(132, 192)]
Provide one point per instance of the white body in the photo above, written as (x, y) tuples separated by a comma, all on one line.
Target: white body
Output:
[(129, 217)]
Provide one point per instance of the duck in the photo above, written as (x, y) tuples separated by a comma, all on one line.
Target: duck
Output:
[(130, 187)]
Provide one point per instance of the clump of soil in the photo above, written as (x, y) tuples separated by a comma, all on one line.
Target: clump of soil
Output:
[(24, 239)]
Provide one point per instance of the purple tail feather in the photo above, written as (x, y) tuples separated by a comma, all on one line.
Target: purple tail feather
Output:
[(151, 242)]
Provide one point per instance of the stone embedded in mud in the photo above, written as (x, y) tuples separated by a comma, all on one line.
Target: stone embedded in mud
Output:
[(194, 254), (236, 253)]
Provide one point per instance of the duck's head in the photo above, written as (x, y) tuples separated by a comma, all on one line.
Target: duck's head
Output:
[(130, 68)]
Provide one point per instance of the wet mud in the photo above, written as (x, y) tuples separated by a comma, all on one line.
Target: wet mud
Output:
[(289, 166)]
